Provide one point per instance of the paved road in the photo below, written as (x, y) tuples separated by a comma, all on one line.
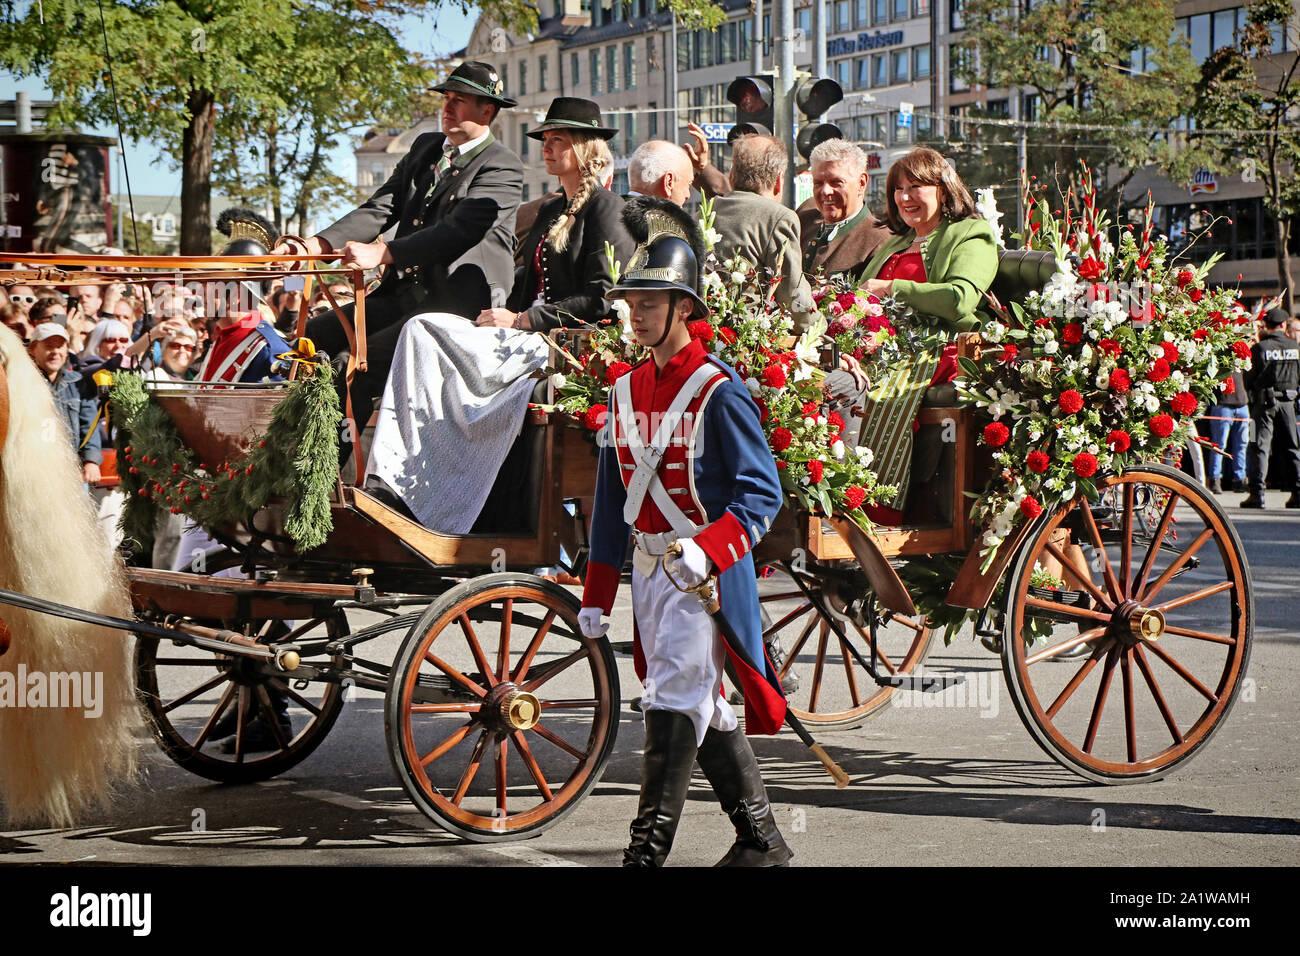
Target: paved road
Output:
[(932, 785)]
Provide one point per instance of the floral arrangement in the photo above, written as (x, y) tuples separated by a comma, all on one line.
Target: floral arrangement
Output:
[(749, 331), (1107, 365)]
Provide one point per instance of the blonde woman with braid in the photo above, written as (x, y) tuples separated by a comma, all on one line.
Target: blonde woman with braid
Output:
[(564, 272)]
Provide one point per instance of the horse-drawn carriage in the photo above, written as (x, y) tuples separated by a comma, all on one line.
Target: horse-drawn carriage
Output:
[(486, 662)]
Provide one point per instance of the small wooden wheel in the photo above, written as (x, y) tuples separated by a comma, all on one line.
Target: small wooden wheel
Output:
[(497, 671), (833, 688), (1167, 615)]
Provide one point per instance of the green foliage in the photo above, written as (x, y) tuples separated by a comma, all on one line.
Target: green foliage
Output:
[(296, 460), (1118, 63)]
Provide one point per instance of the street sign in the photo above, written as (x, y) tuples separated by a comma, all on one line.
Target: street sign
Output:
[(904, 115), (716, 132)]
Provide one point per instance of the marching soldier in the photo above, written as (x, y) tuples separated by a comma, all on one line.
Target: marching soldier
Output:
[(681, 409), (1273, 381)]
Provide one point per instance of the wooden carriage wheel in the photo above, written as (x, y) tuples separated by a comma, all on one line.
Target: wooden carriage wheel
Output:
[(1168, 616), (499, 714), (833, 689), (189, 694)]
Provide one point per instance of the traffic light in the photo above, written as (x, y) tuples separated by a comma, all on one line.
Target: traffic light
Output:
[(752, 96), (814, 96)]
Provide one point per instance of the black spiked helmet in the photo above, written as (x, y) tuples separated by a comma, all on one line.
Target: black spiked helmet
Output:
[(668, 252), (479, 79), (250, 234)]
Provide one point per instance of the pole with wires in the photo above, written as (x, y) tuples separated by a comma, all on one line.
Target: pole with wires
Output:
[(121, 142)]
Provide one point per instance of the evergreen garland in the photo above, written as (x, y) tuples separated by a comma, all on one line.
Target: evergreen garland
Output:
[(296, 460)]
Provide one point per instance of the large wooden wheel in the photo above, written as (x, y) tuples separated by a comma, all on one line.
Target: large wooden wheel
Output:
[(189, 694), (834, 690), (500, 715), (1167, 615)]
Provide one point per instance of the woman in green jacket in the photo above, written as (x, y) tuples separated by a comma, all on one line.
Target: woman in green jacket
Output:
[(942, 259)]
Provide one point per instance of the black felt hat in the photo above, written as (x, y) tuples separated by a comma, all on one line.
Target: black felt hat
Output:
[(668, 253), (479, 79), (574, 114)]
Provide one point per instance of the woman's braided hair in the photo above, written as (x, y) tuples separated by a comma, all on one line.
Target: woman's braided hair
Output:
[(595, 161)]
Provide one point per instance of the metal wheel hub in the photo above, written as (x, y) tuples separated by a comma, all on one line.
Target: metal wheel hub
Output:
[(508, 709), (1134, 624)]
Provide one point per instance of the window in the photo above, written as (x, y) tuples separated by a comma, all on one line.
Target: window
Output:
[(1031, 106), (920, 62), (527, 192), (862, 13), (654, 120), (523, 77), (901, 9), (920, 8), (999, 108), (862, 73), (629, 65), (593, 71), (955, 19), (573, 70), (880, 127), (879, 70), (880, 11), (843, 10), (629, 133), (523, 141), (1280, 41), (1198, 36), (727, 37), (684, 50), (900, 65), (958, 57), (505, 76), (803, 20), (842, 68), (1225, 25), (543, 68), (744, 49), (876, 190), (902, 135), (620, 185), (611, 69)]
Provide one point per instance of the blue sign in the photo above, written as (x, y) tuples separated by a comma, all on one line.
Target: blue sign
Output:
[(904, 120), (865, 41), (716, 132)]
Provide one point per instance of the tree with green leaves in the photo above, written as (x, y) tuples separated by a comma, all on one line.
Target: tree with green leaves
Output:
[(1245, 86), (1117, 64)]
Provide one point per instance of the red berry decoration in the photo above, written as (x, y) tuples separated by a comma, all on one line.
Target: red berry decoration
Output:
[(248, 470), (261, 444), (1084, 464)]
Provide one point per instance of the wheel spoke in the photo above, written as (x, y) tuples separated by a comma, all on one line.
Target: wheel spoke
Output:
[(798, 646), (1066, 610), (298, 699), (475, 759), (1183, 672), (1195, 596), (567, 704), (1200, 635), (817, 671), (1080, 676), (783, 596), (503, 652), (880, 654), (533, 769), (1153, 549), (445, 708), (552, 670), (216, 715), (848, 671), (558, 741), (186, 698), (446, 745), (454, 674), (1126, 546), (1067, 566), (1058, 649), (1176, 565), (1094, 722), (477, 650), (786, 620), (241, 724), (269, 717), (1130, 728), (503, 783), (1145, 667), (533, 647), (1106, 570)]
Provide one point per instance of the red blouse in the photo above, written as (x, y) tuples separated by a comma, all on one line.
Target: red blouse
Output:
[(910, 265)]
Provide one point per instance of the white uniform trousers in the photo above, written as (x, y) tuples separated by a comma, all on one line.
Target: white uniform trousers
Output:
[(683, 654)]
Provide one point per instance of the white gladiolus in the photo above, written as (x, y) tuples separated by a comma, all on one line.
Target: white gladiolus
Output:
[(558, 380), (1051, 347), (712, 237), (995, 332)]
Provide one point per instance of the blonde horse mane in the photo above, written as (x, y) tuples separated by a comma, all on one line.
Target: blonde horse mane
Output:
[(57, 762)]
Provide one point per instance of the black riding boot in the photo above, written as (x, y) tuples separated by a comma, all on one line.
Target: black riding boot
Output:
[(728, 761), (665, 779)]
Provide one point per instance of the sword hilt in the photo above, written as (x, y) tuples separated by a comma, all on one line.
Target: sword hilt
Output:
[(704, 590)]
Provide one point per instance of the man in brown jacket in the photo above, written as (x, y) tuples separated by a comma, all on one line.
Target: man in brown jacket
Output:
[(840, 234)]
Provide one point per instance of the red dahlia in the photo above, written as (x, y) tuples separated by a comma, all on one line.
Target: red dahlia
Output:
[(810, 409), (835, 421), (774, 375), (763, 411), (616, 371), (1229, 386), (815, 470), (1184, 278), (1072, 334), (1038, 461), (1171, 352), (1070, 401), (702, 330), (1241, 349), (854, 495), (1085, 464), (1184, 403), (1120, 381), (1109, 346), (594, 417), (1159, 370), (996, 434), (1119, 441), (1030, 508), (781, 438), (1197, 295), (1162, 426)]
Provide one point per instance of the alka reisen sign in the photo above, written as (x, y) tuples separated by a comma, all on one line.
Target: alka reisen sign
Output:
[(865, 41)]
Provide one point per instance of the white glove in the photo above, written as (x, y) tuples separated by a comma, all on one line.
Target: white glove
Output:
[(590, 624), (691, 567)]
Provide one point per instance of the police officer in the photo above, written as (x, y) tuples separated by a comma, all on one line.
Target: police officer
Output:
[(1273, 382)]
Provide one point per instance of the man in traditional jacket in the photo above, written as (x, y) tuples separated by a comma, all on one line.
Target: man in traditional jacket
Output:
[(684, 465), (840, 234)]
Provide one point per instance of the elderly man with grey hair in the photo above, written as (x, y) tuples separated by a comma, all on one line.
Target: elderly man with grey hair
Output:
[(757, 227), (660, 168), (840, 234)]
